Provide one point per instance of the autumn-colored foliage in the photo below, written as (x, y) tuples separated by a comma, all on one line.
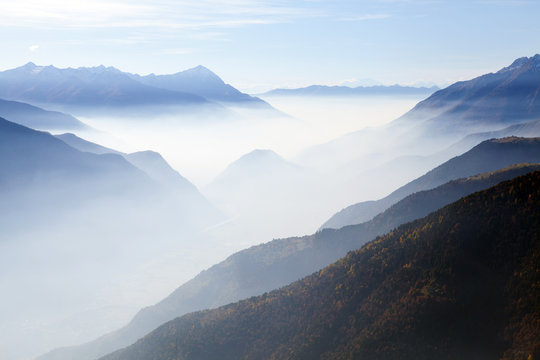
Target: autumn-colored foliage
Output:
[(461, 283)]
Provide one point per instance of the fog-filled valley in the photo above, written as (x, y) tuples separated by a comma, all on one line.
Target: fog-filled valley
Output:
[(179, 193)]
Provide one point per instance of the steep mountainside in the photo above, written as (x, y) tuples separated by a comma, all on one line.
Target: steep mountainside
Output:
[(277, 263), (461, 283), (490, 155), (508, 96), (37, 118)]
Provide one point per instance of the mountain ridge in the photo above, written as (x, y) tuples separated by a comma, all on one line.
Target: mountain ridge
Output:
[(277, 263), (487, 156), (460, 282), (110, 88), (327, 90)]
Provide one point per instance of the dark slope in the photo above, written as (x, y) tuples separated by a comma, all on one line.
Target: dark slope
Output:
[(37, 118), (269, 266), (460, 283), (488, 156)]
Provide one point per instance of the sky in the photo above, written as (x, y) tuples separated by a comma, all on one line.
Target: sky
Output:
[(257, 45)]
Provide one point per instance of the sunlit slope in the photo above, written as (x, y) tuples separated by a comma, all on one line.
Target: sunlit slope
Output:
[(277, 263), (460, 283)]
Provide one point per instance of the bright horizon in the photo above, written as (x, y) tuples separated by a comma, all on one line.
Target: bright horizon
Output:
[(260, 45)]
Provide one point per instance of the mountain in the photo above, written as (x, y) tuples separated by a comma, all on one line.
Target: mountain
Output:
[(37, 118), (460, 283), (157, 168), (203, 82), (506, 97), (323, 90), (527, 129), (487, 103), (77, 227), (93, 89), (262, 193), (83, 145), (87, 88), (490, 155), (277, 263), (258, 163), (44, 178), (253, 176), (33, 157)]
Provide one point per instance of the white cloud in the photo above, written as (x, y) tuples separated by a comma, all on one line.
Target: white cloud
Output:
[(169, 14), (33, 48)]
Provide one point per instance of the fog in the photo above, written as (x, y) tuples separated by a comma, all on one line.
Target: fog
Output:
[(200, 148), (74, 272)]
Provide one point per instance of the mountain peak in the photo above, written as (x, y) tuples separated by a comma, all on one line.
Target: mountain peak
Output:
[(29, 65), (534, 61), (201, 72), (261, 155)]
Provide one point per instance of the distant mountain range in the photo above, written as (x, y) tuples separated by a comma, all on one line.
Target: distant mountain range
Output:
[(99, 88), (277, 263), (459, 283), (53, 170), (487, 103), (37, 118), (490, 155), (506, 97), (200, 81), (324, 90), (331, 319)]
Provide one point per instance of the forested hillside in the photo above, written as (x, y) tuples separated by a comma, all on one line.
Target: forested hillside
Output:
[(462, 283)]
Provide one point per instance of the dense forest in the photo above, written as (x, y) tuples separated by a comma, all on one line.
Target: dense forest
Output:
[(463, 282)]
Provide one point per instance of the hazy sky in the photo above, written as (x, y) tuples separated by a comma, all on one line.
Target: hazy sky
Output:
[(260, 44)]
